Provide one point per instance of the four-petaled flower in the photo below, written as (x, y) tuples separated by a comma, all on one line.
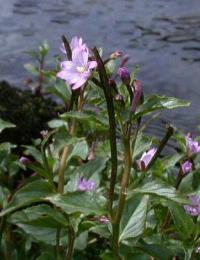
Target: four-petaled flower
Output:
[(146, 158), (192, 145), (194, 209), (77, 71), (86, 185)]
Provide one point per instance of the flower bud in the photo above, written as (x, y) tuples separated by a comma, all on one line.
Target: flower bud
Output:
[(24, 160), (146, 158), (115, 55), (186, 167), (124, 75), (137, 95), (103, 220)]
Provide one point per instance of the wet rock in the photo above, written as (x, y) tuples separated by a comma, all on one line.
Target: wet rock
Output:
[(30, 114)]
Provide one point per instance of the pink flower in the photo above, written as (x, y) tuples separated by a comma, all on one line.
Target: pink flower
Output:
[(86, 185), (103, 220), (194, 209), (77, 71), (24, 160), (192, 146), (124, 75), (186, 167), (146, 158), (75, 43)]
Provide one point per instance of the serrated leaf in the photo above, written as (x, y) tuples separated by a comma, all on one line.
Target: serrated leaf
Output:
[(154, 103), (86, 117), (80, 150), (83, 202), (162, 190), (136, 224), (183, 222), (38, 212), (30, 193), (43, 230), (158, 251)]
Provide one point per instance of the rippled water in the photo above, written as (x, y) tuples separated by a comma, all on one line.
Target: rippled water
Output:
[(163, 36)]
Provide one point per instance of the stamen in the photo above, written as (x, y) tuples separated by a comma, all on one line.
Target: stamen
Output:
[(80, 69)]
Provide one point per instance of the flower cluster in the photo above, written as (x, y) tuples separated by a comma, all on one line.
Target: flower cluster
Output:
[(194, 209), (85, 185), (78, 70)]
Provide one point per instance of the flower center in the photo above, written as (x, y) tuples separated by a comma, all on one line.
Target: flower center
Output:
[(80, 69)]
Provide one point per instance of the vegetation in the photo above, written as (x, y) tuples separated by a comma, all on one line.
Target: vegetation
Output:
[(95, 186)]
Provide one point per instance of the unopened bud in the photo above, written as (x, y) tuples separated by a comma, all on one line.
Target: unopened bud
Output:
[(115, 55), (124, 75), (44, 133), (24, 160), (186, 167), (137, 95)]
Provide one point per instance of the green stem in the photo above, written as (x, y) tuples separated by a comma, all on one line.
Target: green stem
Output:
[(57, 249), (71, 241), (61, 173), (112, 126), (122, 196), (2, 227)]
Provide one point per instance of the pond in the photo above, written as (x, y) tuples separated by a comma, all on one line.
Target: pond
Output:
[(162, 36)]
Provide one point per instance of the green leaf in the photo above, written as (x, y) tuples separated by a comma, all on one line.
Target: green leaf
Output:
[(31, 69), (183, 222), (46, 256), (136, 224), (88, 117), (170, 161), (33, 192), (162, 190), (56, 123), (142, 144), (39, 212), (61, 90), (33, 151), (92, 170), (154, 103), (43, 230), (81, 241), (158, 251), (80, 150), (5, 124), (101, 230), (4, 192), (83, 202)]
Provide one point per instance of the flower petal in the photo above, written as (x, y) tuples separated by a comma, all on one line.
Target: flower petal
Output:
[(66, 65), (79, 83), (80, 57), (92, 64)]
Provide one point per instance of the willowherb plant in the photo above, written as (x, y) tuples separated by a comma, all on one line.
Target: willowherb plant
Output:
[(102, 188)]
